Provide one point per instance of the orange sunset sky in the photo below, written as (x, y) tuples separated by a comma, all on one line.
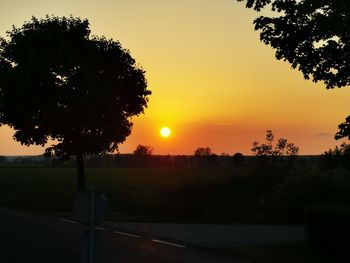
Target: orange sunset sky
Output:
[(213, 82)]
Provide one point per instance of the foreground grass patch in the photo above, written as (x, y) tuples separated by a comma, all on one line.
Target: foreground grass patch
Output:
[(289, 252), (128, 189)]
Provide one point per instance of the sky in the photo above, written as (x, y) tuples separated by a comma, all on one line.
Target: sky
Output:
[(213, 83)]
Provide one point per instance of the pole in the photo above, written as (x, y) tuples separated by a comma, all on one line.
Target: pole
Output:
[(92, 226)]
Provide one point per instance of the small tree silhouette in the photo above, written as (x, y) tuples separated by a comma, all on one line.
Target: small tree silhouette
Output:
[(344, 129), (205, 157), (272, 151), (344, 132), (238, 159), (337, 157), (143, 150), (59, 82), (202, 151)]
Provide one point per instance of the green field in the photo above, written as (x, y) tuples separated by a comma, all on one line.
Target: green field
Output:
[(128, 189), (221, 194), (187, 194)]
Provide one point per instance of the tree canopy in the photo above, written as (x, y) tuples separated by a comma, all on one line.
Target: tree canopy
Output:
[(312, 35), (59, 82), (202, 151), (344, 129), (143, 150), (269, 149)]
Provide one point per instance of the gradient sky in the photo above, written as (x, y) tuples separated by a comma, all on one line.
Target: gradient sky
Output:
[(213, 82)]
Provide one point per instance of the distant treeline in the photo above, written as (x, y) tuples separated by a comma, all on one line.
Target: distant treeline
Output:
[(133, 160)]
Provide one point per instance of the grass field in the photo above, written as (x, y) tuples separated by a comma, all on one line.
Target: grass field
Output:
[(131, 191), (128, 189)]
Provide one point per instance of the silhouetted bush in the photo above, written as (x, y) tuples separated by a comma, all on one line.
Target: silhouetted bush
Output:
[(336, 158), (239, 198), (273, 153), (204, 157), (290, 199), (328, 229), (238, 159), (208, 202)]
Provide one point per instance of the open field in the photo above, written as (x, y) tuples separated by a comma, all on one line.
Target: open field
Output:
[(219, 194), (128, 189), (187, 194)]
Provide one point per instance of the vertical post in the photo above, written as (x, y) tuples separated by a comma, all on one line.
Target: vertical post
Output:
[(80, 172), (92, 225)]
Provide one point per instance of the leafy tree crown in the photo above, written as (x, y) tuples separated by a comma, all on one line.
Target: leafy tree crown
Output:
[(59, 82), (143, 150), (268, 149), (312, 35), (202, 151)]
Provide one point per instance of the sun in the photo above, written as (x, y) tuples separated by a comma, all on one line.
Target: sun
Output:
[(165, 132)]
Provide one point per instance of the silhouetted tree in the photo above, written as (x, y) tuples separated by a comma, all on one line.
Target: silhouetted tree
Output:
[(344, 131), (313, 36), (337, 157), (143, 150), (202, 151), (272, 151), (143, 156), (205, 157), (238, 159), (59, 82)]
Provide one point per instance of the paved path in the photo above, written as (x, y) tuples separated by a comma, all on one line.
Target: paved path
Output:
[(217, 236), (30, 238)]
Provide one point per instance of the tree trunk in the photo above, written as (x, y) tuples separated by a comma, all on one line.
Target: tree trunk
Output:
[(81, 174)]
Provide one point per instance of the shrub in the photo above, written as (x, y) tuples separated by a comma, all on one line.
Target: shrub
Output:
[(335, 158), (290, 199), (328, 228), (238, 159)]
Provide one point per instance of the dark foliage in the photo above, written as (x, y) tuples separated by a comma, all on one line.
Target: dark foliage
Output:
[(313, 36), (238, 159), (59, 82), (339, 157), (143, 150), (328, 229), (205, 157), (297, 193), (273, 154), (260, 196), (143, 155), (344, 129), (269, 149), (205, 202), (202, 151), (239, 198)]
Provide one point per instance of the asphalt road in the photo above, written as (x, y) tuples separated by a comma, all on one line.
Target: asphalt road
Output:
[(26, 237)]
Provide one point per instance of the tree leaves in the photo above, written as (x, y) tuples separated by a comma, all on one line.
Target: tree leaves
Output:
[(58, 82), (313, 36)]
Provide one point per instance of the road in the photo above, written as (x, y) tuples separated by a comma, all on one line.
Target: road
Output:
[(26, 237)]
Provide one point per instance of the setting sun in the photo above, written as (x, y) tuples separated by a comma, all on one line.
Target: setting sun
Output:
[(165, 132)]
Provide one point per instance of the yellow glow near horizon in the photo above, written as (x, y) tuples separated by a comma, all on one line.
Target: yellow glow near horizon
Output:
[(210, 76), (165, 132)]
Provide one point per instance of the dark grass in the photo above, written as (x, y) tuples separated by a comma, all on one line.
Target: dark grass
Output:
[(288, 252), (247, 194), (128, 189)]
